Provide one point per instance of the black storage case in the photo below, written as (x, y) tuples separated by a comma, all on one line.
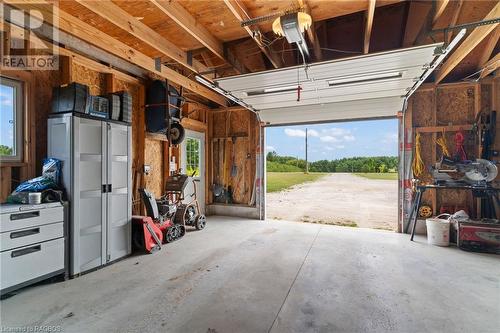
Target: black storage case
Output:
[(125, 106), (114, 106), (157, 111), (73, 97)]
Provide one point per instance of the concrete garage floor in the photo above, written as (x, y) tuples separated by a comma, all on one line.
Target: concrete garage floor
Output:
[(249, 276)]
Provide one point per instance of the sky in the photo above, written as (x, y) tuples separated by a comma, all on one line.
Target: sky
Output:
[(335, 140), (6, 125)]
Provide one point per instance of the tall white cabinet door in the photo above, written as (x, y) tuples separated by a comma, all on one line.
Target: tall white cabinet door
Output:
[(89, 203), (119, 195)]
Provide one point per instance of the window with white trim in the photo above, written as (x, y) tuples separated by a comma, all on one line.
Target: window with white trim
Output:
[(193, 157), (11, 120)]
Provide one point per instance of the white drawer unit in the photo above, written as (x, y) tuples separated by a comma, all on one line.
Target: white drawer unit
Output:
[(32, 244)]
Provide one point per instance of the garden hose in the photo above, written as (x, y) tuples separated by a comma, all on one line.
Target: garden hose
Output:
[(418, 164)]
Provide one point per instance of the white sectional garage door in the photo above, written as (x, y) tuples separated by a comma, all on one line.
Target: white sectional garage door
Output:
[(362, 87)]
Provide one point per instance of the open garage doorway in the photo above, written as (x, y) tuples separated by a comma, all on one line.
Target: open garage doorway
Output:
[(343, 174)]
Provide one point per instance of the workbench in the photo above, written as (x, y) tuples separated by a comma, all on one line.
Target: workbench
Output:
[(412, 219)]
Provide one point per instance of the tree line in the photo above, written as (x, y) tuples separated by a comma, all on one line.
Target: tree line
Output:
[(378, 164)]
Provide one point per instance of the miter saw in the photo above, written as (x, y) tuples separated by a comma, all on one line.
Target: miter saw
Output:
[(477, 173)]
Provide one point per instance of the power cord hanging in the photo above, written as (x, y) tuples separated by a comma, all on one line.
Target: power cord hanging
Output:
[(418, 164), (441, 142)]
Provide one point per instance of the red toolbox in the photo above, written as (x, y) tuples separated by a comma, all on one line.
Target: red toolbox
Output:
[(479, 237)]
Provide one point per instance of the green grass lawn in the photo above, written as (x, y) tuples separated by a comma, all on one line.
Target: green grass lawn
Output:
[(277, 181), (383, 176)]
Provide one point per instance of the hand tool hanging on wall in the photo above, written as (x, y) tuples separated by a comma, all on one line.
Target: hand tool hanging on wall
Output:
[(234, 168), (488, 134), (217, 188), (460, 154)]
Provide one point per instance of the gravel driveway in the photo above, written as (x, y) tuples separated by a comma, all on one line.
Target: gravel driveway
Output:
[(338, 198)]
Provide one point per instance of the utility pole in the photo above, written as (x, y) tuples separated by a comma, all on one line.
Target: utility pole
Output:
[(307, 162)]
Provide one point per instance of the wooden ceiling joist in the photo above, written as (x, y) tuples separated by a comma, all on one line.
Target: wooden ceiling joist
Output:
[(370, 13), (88, 33), (186, 21), (441, 6), (491, 66), (241, 13), (454, 18), (489, 48), (122, 19), (474, 38), (311, 32)]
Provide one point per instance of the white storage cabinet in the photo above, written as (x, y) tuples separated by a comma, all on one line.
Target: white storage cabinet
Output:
[(97, 175)]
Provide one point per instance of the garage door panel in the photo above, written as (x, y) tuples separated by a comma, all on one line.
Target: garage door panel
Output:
[(363, 109), (372, 86)]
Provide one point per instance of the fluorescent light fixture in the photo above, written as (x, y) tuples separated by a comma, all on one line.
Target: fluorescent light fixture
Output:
[(364, 78), (272, 90)]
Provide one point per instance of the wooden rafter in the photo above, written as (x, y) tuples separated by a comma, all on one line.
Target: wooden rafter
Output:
[(441, 6), (88, 33), (491, 66), (241, 13), (122, 19), (474, 38), (311, 32), (186, 21), (370, 13), (417, 14), (454, 18), (489, 48)]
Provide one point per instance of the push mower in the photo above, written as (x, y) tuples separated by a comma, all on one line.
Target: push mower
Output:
[(186, 214)]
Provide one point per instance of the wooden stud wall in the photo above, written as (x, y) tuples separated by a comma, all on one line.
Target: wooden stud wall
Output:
[(232, 133), (451, 106)]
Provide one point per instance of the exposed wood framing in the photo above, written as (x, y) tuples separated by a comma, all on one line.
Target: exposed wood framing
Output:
[(370, 12), (185, 20), (489, 48), (122, 19), (311, 32), (491, 66), (441, 6), (474, 38), (454, 18), (87, 33), (241, 13), (417, 13)]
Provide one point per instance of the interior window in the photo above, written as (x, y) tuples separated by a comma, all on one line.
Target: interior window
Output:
[(11, 114), (193, 157)]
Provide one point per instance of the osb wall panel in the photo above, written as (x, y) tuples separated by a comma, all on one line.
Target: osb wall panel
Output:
[(455, 104), (95, 80), (423, 108), (450, 104), (153, 156)]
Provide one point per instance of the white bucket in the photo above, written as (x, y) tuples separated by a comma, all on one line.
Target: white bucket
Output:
[(438, 231)]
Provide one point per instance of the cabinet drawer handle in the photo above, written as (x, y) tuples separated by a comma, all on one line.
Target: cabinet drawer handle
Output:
[(26, 251), (24, 233), (22, 216)]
